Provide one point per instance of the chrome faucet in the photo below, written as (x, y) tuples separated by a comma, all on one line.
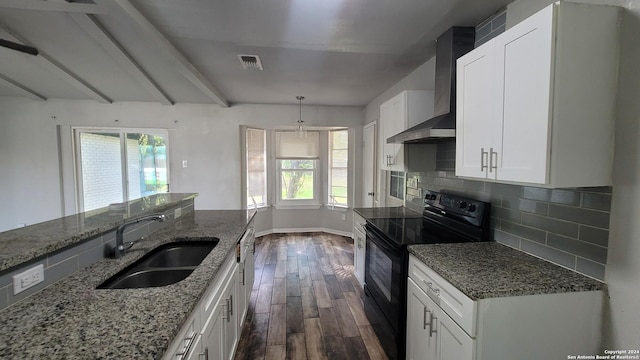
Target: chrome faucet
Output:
[(120, 249)]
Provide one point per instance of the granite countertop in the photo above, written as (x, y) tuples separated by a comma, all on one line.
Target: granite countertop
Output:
[(387, 212), (489, 269), (24, 244), (71, 319)]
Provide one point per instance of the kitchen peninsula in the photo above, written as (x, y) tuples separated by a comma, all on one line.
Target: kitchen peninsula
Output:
[(72, 319)]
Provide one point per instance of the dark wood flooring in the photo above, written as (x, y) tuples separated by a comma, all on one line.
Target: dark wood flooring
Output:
[(306, 302)]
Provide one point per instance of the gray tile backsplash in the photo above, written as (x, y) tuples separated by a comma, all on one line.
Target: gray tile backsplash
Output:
[(491, 27), (569, 227)]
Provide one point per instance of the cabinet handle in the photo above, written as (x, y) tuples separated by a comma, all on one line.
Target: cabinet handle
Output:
[(231, 304), (482, 161), (185, 350), (491, 165), (242, 280), (424, 319), (430, 286), (432, 328), (228, 316), (359, 243), (370, 193), (205, 354)]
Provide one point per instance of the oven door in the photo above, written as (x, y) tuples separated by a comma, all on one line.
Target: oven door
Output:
[(383, 276)]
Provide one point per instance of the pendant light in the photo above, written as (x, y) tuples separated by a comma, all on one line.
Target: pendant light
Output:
[(301, 130)]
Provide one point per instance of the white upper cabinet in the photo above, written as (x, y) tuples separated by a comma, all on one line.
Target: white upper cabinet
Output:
[(536, 104), (404, 110)]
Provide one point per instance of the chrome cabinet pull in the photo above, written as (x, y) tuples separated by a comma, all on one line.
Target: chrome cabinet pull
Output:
[(187, 348), (432, 328), (424, 319), (228, 316), (242, 281), (205, 354), (483, 166), (231, 304), (491, 164)]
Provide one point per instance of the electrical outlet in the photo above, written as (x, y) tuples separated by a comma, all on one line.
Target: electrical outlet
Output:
[(27, 279), (344, 217), (185, 163), (177, 213)]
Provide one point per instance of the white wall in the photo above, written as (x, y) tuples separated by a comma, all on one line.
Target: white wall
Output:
[(208, 136), (622, 318)]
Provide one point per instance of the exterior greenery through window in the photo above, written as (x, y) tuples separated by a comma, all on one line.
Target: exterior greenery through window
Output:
[(297, 179), (297, 161), (338, 168), (116, 165)]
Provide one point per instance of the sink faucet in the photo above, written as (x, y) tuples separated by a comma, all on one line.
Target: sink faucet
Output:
[(120, 249)]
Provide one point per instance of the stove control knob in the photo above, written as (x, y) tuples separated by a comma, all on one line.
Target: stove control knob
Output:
[(462, 204), (471, 208)]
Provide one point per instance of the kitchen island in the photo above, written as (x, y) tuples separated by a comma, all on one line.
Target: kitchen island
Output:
[(71, 319)]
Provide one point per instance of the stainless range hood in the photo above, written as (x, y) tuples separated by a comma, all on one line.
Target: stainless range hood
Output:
[(454, 43)]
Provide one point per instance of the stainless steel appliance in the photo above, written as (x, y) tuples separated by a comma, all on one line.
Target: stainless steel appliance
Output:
[(446, 219)]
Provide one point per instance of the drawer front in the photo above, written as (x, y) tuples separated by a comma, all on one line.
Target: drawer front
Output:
[(452, 301)]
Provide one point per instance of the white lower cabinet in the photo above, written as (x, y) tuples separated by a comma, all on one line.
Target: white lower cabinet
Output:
[(431, 334), (214, 327), (359, 247), (445, 324)]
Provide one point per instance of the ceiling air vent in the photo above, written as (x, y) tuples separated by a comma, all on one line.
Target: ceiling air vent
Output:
[(250, 62)]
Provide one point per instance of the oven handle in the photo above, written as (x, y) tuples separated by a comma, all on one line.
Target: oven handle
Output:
[(380, 241)]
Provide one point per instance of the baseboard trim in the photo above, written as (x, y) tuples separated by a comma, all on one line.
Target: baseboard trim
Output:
[(303, 230)]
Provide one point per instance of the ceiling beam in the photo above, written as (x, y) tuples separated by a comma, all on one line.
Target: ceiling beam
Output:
[(53, 6), (20, 89), (185, 67), (93, 27), (49, 63)]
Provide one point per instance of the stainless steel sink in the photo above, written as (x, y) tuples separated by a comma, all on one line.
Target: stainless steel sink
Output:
[(165, 265)]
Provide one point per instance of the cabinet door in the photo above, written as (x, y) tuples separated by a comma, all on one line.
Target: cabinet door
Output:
[(399, 116), (476, 126), (420, 345), (386, 130), (213, 331), (230, 327), (451, 342), (523, 83), (359, 255)]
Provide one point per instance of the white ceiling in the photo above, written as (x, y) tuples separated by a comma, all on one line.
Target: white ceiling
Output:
[(334, 52)]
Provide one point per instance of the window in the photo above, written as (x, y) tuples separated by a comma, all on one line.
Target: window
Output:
[(297, 168), (115, 166), (396, 188), (338, 165), (256, 168)]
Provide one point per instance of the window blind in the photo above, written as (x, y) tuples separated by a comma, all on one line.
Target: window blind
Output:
[(289, 146)]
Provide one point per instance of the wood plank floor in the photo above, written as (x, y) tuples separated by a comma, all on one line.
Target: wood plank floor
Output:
[(306, 302)]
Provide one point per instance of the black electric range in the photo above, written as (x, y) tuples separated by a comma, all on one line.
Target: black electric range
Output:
[(446, 219)]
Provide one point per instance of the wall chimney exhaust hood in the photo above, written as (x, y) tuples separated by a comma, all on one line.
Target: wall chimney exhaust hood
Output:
[(452, 44)]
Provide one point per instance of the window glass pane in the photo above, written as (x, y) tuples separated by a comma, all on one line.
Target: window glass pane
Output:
[(297, 164), (396, 188), (297, 184), (101, 161), (146, 164), (256, 168), (339, 160)]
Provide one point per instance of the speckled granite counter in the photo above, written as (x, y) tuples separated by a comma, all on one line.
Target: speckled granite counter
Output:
[(73, 320), (387, 212), (28, 243), (489, 269)]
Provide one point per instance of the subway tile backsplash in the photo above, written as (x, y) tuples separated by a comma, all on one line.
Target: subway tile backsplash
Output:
[(569, 227)]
